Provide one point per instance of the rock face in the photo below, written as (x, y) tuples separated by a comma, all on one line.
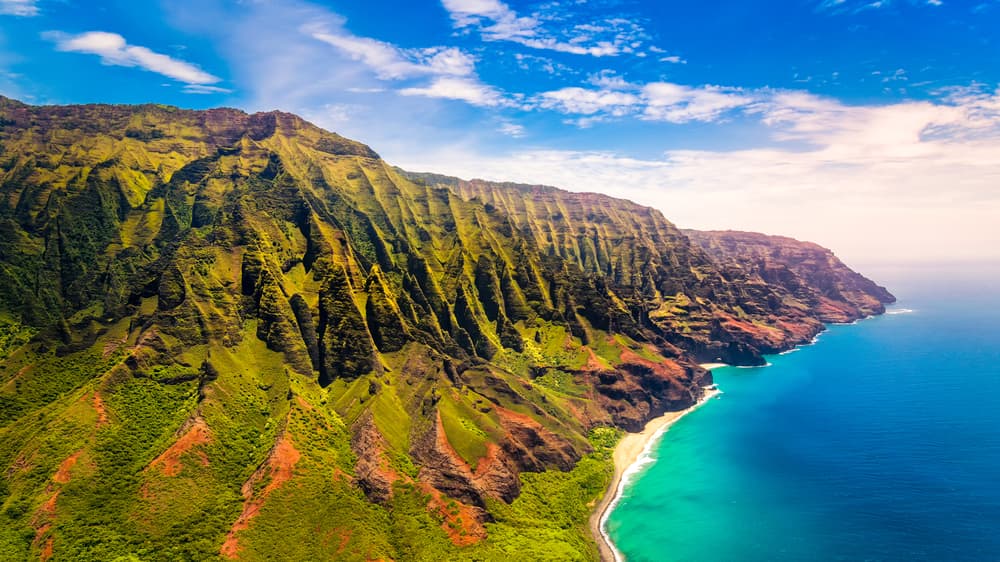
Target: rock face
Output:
[(803, 271), (378, 357)]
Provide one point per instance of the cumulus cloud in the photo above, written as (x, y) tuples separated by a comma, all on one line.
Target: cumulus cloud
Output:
[(114, 50), (23, 8)]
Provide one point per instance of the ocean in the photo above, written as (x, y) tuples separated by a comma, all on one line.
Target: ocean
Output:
[(880, 442)]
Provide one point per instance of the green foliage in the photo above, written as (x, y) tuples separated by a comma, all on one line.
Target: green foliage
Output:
[(345, 346), (13, 335), (45, 378), (560, 381), (95, 513), (548, 521)]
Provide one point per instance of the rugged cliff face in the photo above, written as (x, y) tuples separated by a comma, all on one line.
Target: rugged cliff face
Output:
[(803, 272), (223, 332)]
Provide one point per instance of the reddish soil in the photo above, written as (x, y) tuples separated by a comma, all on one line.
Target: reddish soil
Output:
[(445, 447), (279, 465), (666, 367), (594, 362), (43, 523), (170, 460), (832, 311), (62, 473), (486, 463), (46, 552), (102, 412), (461, 521), (302, 402), (771, 336), (517, 417)]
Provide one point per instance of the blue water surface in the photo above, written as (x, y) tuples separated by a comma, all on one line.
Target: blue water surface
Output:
[(879, 442)]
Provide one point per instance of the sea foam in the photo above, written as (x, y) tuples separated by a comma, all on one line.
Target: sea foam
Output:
[(645, 459)]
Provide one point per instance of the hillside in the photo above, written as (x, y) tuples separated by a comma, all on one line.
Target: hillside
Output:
[(226, 335)]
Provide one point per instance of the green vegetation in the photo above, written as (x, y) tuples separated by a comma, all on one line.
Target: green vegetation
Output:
[(228, 335)]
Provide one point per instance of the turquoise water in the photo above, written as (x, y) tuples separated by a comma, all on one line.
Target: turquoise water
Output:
[(879, 442)]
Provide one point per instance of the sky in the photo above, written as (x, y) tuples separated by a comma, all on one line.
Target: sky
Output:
[(871, 127)]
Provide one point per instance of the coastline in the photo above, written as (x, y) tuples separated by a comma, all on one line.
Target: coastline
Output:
[(628, 454)]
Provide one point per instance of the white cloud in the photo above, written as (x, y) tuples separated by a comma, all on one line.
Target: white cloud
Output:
[(673, 59), (453, 71), (581, 101), (469, 12), (656, 101), (393, 63), (203, 89), (536, 63), (114, 50), (512, 130), (24, 8), (468, 90), (609, 79), (676, 103), (496, 21), (855, 6), (277, 64)]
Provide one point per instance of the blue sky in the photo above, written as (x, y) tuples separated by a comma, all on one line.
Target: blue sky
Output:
[(853, 123)]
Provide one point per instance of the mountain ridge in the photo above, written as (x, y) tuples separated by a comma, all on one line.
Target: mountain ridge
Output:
[(247, 331)]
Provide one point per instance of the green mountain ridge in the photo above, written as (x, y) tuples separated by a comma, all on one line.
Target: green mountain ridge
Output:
[(226, 335)]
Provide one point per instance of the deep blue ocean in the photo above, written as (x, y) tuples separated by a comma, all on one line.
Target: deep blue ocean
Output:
[(879, 442)]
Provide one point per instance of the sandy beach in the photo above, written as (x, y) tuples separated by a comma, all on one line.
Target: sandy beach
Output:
[(711, 366), (628, 451)]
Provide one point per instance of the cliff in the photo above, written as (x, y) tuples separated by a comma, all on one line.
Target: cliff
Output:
[(803, 272), (232, 335)]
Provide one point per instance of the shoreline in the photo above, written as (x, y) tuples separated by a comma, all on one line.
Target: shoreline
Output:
[(628, 454), (635, 447)]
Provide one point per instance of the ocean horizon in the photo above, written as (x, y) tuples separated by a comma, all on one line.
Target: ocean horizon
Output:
[(880, 442)]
